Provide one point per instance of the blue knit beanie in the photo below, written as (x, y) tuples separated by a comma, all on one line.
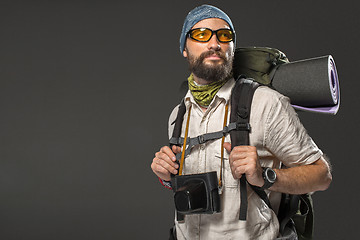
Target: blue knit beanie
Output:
[(200, 13)]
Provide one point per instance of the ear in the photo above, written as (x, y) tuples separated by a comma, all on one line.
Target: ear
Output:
[(185, 53)]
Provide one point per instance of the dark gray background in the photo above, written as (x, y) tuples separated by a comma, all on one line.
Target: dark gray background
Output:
[(85, 91)]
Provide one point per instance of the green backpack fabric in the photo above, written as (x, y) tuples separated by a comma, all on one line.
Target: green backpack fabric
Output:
[(258, 63)]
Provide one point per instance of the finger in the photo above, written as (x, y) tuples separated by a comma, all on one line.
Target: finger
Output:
[(248, 167), (176, 149), (162, 164), (227, 147), (249, 163), (237, 172), (243, 152), (234, 163), (245, 165), (235, 155), (160, 171), (168, 152), (244, 148), (161, 157)]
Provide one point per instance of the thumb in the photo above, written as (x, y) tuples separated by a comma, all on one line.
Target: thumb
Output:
[(176, 149), (227, 146)]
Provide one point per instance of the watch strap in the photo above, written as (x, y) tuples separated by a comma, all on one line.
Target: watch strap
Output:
[(267, 183)]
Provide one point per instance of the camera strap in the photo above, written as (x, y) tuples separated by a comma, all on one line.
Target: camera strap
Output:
[(184, 144), (204, 138), (222, 147)]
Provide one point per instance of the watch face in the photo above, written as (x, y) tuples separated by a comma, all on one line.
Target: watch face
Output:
[(271, 175)]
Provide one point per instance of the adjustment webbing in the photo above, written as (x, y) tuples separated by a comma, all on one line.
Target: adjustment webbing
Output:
[(192, 142), (243, 198)]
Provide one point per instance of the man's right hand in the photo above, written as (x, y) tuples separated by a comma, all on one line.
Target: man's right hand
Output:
[(164, 163)]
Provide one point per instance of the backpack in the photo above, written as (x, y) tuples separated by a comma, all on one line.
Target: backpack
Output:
[(260, 63)]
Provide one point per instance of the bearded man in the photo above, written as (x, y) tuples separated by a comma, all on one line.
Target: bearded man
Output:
[(277, 138)]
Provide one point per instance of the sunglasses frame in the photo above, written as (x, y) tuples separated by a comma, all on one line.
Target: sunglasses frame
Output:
[(212, 33)]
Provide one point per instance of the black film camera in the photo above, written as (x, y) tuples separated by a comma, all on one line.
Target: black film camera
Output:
[(196, 193)]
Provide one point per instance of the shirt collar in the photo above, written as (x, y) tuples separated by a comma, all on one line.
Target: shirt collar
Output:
[(225, 91)]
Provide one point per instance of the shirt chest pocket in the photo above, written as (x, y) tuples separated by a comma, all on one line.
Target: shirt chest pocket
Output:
[(227, 177)]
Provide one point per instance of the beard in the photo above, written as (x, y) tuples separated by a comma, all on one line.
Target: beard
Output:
[(217, 70)]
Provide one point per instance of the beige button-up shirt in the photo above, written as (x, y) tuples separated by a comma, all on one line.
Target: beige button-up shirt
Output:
[(279, 137)]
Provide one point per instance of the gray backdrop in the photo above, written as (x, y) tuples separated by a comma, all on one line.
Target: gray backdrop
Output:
[(85, 91)]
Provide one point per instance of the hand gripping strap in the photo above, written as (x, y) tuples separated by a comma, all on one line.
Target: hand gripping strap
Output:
[(175, 139)]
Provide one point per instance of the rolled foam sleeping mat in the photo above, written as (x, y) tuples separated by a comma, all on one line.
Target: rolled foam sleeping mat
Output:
[(311, 84)]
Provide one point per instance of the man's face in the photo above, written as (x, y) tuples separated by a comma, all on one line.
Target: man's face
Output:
[(212, 60)]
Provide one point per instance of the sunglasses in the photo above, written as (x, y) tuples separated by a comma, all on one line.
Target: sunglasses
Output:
[(224, 35)]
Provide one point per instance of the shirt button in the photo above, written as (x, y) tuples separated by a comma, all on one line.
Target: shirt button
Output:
[(202, 147)]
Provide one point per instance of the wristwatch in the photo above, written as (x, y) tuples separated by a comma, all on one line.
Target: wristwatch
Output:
[(269, 176)]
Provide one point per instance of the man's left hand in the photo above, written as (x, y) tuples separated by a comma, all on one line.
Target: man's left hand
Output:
[(244, 160)]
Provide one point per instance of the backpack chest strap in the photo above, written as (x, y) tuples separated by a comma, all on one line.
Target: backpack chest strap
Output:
[(203, 138)]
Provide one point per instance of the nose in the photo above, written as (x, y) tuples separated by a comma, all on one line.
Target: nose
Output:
[(214, 43)]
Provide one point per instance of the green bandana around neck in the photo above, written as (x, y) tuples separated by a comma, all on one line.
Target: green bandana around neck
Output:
[(204, 94)]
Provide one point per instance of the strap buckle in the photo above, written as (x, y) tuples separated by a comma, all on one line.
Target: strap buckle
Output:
[(174, 141), (225, 130), (201, 139), (243, 126)]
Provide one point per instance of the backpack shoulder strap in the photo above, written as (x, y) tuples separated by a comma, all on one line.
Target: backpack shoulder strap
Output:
[(241, 99), (175, 138)]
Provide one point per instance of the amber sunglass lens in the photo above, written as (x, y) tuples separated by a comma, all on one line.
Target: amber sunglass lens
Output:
[(225, 35), (201, 35)]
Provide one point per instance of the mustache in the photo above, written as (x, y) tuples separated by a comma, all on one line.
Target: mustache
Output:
[(210, 53)]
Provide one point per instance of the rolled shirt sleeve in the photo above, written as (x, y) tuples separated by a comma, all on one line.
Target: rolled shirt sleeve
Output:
[(284, 135)]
